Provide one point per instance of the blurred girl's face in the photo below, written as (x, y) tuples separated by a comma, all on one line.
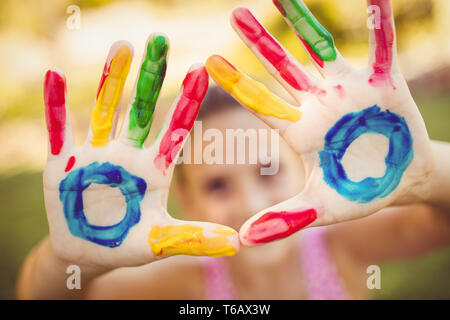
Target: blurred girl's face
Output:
[(230, 194)]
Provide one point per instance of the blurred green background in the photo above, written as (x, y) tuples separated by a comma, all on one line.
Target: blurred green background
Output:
[(34, 36)]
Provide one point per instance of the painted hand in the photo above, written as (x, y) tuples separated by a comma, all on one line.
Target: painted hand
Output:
[(106, 200), (359, 133)]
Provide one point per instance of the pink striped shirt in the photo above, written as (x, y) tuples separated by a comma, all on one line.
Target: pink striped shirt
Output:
[(322, 280)]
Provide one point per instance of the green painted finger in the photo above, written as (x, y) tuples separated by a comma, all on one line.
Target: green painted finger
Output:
[(316, 38), (151, 77)]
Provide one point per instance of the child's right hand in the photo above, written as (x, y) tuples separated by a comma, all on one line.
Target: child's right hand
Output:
[(106, 200)]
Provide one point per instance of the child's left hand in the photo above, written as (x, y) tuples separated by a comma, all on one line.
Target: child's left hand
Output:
[(372, 107)]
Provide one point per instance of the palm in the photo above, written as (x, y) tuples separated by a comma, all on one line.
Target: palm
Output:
[(106, 200), (363, 158), (343, 128)]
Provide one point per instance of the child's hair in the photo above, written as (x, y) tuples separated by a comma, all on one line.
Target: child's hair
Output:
[(216, 100)]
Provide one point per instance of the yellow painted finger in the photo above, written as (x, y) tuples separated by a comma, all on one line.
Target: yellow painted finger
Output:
[(249, 92), (108, 96), (191, 240)]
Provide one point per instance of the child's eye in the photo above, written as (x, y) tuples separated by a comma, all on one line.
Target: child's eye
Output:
[(217, 185)]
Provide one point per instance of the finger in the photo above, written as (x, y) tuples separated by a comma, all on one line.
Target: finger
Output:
[(193, 238), (151, 77), (280, 64), (317, 41), (382, 44), (181, 117), (56, 114), (109, 92), (278, 222), (252, 94)]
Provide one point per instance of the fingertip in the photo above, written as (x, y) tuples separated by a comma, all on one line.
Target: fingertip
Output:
[(247, 25), (222, 70), (276, 225), (196, 82), (244, 240), (225, 240), (54, 75), (121, 48), (157, 46), (120, 60), (239, 12), (54, 88), (196, 66), (215, 60), (210, 61), (124, 53), (55, 108), (55, 71), (158, 34), (243, 15)]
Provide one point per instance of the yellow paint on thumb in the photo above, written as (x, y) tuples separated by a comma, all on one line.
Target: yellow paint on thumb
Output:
[(190, 240)]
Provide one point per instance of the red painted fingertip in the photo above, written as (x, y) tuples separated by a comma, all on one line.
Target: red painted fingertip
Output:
[(55, 110), (195, 84), (248, 24), (278, 225)]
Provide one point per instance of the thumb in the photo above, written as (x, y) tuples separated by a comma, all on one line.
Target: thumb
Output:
[(193, 238), (279, 221)]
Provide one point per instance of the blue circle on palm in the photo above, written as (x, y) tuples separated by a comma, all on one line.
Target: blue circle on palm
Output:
[(348, 129), (71, 195)]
